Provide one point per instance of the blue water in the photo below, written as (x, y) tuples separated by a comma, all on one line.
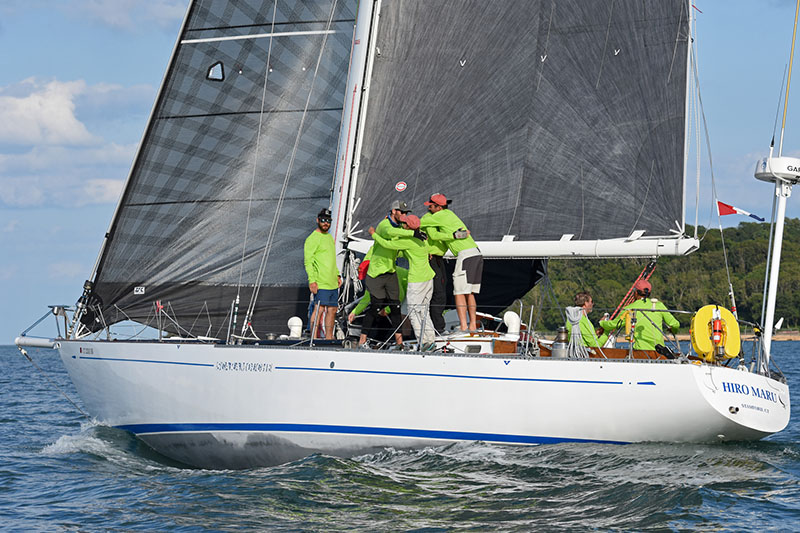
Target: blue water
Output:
[(60, 472)]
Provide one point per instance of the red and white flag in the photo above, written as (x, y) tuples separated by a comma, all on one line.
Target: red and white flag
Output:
[(725, 209)]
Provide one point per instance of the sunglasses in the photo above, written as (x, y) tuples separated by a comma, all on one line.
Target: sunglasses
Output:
[(324, 221)]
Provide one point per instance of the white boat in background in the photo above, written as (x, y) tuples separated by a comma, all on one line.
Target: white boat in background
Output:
[(558, 127)]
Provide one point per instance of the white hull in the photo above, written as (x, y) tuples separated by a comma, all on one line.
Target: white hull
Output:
[(240, 406)]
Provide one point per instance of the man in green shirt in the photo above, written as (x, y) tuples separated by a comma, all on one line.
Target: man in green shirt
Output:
[(650, 315), (443, 225), (319, 257), (381, 278), (588, 333), (420, 279)]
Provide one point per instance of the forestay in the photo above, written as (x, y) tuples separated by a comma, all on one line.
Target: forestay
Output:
[(242, 138)]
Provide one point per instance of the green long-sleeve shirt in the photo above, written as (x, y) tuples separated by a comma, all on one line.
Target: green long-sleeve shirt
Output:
[(441, 225), (416, 251), (383, 259), (588, 334), (435, 246), (319, 258), (652, 318)]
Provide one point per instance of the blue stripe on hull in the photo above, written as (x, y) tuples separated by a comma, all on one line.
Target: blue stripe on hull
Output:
[(353, 430), (461, 376)]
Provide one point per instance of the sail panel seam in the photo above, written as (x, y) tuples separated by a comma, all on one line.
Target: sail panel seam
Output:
[(234, 113), (288, 23), (222, 201)]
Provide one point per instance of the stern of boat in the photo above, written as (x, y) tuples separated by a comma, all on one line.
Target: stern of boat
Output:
[(754, 405)]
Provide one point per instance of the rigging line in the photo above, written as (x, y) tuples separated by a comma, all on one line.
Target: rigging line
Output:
[(780, 101), (675, 46), (255, 155), (695, 117), (727, 268), (708, 147), (53, 383), (788, 79), (605, 46), (268, 245), (646, 194)]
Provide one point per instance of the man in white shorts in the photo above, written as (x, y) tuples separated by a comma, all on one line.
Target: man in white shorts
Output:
[(443, 225)]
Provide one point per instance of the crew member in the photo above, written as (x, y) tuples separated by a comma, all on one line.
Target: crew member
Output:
[(366, 299), (651, 318), (319, 257), (588, 332), (420, 279), (436, 250), (381, 279), (443, 225)]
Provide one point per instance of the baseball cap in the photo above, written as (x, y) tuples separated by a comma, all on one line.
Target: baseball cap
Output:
[(400, 206), (642, 285), (438, 199), (324, 214), (412, 221)]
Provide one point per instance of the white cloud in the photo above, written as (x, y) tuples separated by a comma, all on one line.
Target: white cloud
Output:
[(45, 115), (64, 176), (49, 157), (66, 270), (101, 191)]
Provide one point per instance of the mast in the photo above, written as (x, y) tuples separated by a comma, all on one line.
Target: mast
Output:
[(355, 94), (783, 172)]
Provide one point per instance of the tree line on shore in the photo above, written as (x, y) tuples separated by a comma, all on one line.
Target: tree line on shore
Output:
[(682, 283)]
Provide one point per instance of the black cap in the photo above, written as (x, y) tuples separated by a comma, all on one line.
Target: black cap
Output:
[(324, 213)]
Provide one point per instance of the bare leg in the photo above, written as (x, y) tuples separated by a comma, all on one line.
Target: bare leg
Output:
[(473, 308), (461, 309), (362, 339), (330, 318), (314, 326)]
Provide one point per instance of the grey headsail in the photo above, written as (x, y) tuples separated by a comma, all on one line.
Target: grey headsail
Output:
[(537, 118), (244, 133)]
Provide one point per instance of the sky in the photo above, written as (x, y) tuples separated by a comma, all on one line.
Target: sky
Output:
[(78, 79)]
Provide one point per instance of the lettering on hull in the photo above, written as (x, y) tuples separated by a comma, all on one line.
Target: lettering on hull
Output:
[(745, 390)]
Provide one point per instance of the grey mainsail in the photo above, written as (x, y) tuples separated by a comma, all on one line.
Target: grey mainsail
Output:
[(537, 118), (244, 133)]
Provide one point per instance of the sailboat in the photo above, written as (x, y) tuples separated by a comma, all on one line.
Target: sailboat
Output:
[(558, 128)]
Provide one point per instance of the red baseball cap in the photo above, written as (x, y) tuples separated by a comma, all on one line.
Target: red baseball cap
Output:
[(438, 199), (642, 285), (412, 221)]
